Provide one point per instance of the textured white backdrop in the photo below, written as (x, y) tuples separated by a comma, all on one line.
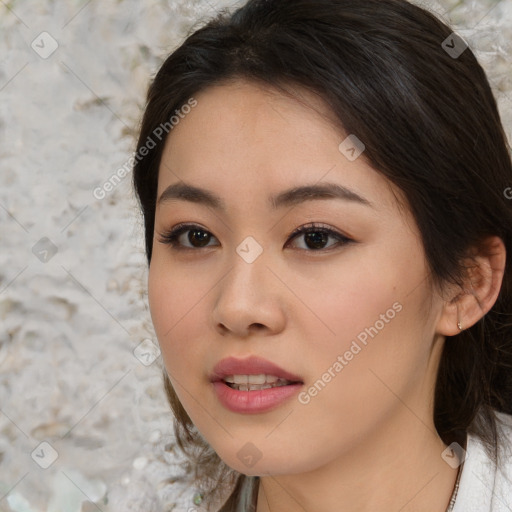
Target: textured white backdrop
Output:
[(72, 270)]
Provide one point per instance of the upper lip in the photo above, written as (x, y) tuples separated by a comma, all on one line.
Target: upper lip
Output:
[(252, 365)]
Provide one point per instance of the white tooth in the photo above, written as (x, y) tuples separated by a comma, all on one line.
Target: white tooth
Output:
[(255, 382), (256, 379), (258, 387)]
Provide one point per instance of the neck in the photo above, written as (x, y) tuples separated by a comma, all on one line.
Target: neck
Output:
[(398, 467)]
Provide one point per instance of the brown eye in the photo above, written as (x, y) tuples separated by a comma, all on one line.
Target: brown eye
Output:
[(195, 238), (198, 236)]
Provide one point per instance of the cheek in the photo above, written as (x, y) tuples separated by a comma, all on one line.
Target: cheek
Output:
[(373, 318), (176, 300), (346, 299), (362, 377), (175, 303)]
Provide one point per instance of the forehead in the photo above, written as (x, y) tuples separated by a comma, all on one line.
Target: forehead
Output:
[(246, 137), (257, 114)]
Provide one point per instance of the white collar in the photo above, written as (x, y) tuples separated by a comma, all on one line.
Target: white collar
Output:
[(483, 487)]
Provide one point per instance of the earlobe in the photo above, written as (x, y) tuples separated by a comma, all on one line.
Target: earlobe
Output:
[(482, 287), (452, 320)]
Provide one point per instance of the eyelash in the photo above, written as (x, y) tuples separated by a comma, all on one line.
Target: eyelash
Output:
[(171, 237)]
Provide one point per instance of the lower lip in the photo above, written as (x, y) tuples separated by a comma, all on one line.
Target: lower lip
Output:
[(252, 402)]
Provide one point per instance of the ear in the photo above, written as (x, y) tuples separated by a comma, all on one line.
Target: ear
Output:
[(482, 286)]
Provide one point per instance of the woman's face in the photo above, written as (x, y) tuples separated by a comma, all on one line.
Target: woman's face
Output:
[(354, 322)]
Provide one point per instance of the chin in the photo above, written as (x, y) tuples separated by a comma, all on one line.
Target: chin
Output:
[(263, 468)]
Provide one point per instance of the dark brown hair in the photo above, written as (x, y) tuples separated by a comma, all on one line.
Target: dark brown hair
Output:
[(430, 125)]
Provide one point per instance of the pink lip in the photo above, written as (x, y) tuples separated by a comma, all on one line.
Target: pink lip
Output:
[(252, 365), (254, 402), (257, 401)]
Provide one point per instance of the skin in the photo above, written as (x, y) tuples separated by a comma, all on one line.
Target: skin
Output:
[(367, 441)]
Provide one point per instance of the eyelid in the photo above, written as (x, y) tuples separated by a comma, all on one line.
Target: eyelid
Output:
[(320, 227)]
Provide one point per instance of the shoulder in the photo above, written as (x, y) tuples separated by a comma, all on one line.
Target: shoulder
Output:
[(505, 447), (505, 422), (485, 486)]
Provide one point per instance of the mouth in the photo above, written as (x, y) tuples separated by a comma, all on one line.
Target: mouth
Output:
[(253, 385)]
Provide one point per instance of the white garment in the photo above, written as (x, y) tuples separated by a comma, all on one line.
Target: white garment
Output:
[(483, 487)]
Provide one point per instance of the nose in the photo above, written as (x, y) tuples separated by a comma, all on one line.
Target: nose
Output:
[(249, 300)]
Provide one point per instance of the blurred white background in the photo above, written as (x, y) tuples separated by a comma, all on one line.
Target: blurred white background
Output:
[(73, 311)]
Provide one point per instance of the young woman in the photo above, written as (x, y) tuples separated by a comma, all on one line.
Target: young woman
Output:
[(329, 238)]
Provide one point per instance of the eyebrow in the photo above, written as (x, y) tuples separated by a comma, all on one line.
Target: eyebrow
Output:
[(290, 197)]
